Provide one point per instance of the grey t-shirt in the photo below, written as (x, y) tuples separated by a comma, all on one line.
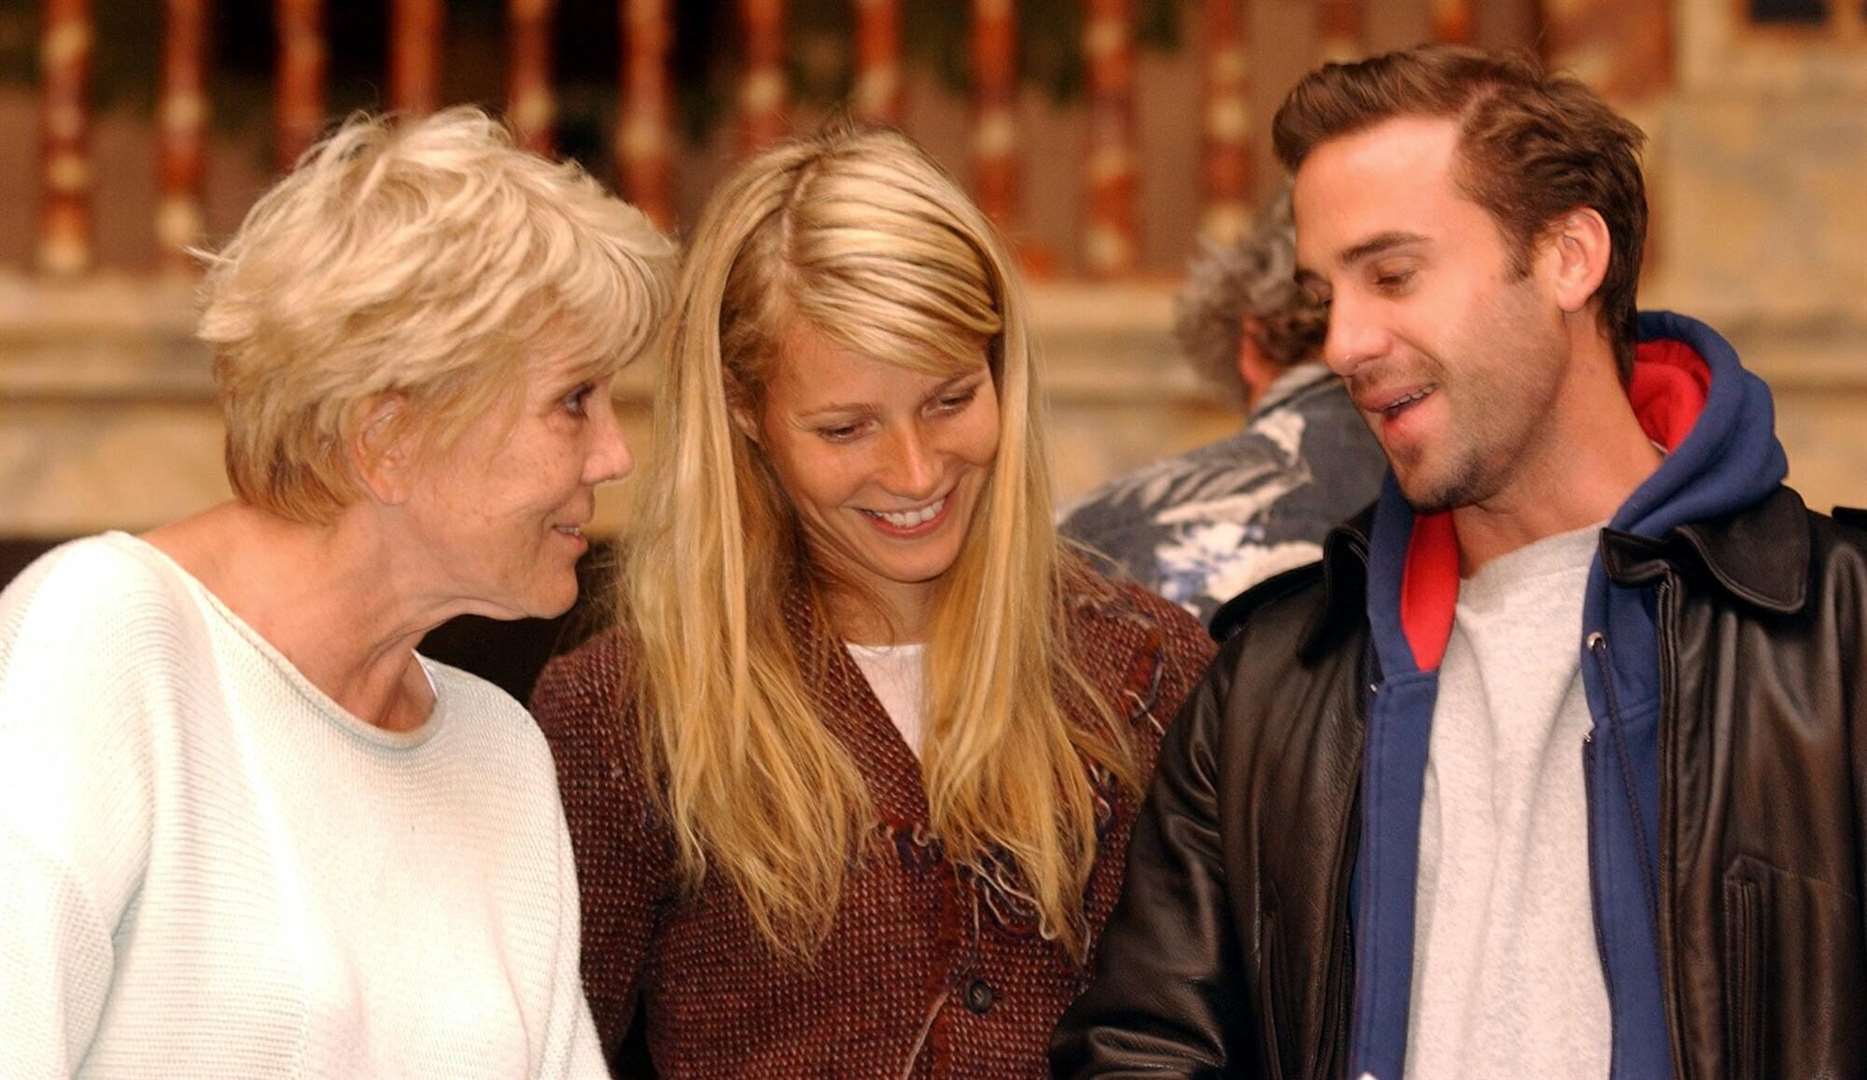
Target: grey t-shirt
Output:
[(1507, 980)]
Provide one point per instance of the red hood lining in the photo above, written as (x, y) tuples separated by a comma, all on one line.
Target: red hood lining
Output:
[(1668, 391)]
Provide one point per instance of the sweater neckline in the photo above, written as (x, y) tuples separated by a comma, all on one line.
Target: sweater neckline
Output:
[(320, 701)]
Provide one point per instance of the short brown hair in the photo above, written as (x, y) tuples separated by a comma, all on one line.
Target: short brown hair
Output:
[(1532, 146)]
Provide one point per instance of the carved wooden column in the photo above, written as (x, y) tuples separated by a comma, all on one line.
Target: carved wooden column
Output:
[(530, 105), (644, 126), (181, 132), (1622, 48), (64, 134), (415, 37), (1339, 22), (995, 118), (878, 61), (1453, 21), (298, 112), (762, 91), (1109, 238), (1227, 128)]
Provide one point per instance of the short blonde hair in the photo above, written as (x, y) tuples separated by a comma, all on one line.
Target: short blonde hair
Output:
[(428, 258), (858, 237)]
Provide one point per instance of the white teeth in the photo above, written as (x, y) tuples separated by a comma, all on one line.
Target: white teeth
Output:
[(569, 530), (1408, 400), (912, 517)]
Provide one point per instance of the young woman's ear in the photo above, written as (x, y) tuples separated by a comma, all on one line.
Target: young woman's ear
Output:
[(383, 449), (745, 422)]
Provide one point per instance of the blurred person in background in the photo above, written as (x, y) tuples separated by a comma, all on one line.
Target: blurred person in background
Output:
[(245, 830), (849, 787), (1203, 527)]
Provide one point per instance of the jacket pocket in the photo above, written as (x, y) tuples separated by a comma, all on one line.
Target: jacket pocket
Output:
[(1745, 976)]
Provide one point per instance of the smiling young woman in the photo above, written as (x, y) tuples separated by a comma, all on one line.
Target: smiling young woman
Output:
[(850, 784)]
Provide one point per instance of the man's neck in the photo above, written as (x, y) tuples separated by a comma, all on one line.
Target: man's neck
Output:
[(1594, 455)]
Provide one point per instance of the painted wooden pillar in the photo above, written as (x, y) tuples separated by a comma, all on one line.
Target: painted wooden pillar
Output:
[(415, 38), (994, 44), (1340, 25), (181, 132), (298, 111), (762, 90), (531, 107), (878, 61), (64, 133), (1226, 164), (1453, 21), (1109, 235), (1622, 48), (644, 138)]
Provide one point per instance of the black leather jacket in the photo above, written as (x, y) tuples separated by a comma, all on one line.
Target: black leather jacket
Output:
[(1230, 952)]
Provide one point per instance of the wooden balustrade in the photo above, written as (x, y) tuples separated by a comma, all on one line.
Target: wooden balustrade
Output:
[(994, 49), (181, 132), (531, 106), (1453, 21), (1109, 231), (1628, 61), (65, 128), (415, 37), (762, 89), (877, 94), (299, 107), (1226, 122), (644, 137), (1339, 24)]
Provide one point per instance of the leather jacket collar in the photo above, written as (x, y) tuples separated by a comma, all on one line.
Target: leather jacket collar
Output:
[(1742, 553)]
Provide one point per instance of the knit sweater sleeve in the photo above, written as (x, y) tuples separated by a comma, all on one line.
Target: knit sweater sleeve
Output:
[(623, 853), (572, 1051), (80, 682)]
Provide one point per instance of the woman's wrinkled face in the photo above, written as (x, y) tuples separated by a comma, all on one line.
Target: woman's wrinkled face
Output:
[(884, 464), (501, 511)]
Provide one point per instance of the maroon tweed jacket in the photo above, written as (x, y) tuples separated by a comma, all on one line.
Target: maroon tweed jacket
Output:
[(929, 971)]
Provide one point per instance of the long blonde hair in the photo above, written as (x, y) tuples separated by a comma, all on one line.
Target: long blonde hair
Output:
[(862, 239)]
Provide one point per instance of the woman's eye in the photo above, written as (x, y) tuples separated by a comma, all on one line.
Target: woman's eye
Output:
[(578, 400), (840, 433), (956, 401)]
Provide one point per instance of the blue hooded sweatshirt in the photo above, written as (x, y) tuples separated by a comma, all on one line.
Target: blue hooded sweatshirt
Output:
[(1717, 424)]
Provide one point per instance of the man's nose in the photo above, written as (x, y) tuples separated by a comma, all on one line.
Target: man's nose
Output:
[(1355, 336)]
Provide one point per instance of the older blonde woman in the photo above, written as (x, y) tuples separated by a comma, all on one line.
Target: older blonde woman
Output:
[(850, 785), (245, 830)]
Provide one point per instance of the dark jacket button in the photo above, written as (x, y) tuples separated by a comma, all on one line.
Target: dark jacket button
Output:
[(979, 996)]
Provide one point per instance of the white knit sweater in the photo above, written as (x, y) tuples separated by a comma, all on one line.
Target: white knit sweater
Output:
[(209, 869)]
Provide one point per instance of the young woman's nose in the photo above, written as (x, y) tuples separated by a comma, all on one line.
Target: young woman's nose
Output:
[(911, 471)]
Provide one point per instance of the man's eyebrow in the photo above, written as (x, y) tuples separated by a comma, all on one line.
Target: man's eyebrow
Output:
[(1377, 244)]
